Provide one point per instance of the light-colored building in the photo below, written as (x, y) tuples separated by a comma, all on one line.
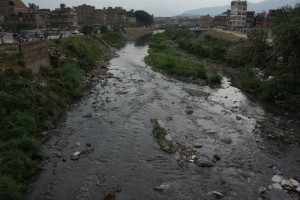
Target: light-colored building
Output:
[(238, 14)]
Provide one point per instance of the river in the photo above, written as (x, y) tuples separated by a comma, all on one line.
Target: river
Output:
[(112, 127)]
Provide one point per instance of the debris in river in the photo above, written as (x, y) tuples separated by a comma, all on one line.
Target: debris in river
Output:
[(162, 187), (87, 115), (217, 157), (215, 194), (109, 195), (76, 155), (189, 112)]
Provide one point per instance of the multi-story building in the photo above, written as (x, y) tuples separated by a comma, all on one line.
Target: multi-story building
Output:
[(34, 19), (12, 8), (63, 18), (250, 19), (86, 14), (106, 16), (205, 21), (222, 20), (238, 14), (259, 19)]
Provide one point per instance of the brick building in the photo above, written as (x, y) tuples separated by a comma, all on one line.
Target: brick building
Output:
[(63, 18), (205, 21), (221, 20), (12, 8), (34, 19)]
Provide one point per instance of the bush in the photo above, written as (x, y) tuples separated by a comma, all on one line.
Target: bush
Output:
[(28, 145), (10, 189), (249, 82), (215, 79), (17, 165), (16, 125), (72, 79)]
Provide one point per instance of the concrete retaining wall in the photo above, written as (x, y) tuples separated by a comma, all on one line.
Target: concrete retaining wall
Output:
[(34, 54)]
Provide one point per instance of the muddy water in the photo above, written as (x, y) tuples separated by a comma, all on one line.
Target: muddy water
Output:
[(123, 156)]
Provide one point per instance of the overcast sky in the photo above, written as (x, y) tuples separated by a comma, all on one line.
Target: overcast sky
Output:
[(175, 5)]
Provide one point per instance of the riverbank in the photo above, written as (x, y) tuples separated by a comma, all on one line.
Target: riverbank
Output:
[(31, 103)]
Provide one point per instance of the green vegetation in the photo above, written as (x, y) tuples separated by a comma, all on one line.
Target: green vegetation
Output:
[(143, 18), (160, 136), (30, 103), (162, 57)]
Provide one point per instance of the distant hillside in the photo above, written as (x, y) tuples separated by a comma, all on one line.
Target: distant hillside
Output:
[(160, 12), (257, 7)]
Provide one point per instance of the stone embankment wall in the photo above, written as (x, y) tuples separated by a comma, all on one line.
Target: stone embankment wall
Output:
[(132, 34), (34, 54)]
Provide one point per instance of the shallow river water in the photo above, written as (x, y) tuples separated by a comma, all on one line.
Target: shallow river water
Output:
[(114, 121)]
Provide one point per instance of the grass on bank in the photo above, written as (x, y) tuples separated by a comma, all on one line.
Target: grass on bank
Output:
[(162, 57)]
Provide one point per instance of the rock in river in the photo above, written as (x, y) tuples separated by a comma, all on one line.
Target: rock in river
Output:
[(277, 179), (203, 163)]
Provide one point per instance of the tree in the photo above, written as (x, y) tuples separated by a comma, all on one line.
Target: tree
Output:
[(143, 18), (287, 38), (258, 40), (32, 7), (87, 29)]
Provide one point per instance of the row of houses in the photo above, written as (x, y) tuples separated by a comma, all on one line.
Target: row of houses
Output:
[(236, 18), (14, 11)]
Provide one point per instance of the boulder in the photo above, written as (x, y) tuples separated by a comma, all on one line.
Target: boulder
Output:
[(277, 178)]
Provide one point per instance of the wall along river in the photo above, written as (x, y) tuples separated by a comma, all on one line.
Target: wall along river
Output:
[(112, 128)]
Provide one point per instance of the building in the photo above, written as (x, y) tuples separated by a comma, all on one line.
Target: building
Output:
[(205, 21), (250, 19), (86, 14), (221, 21), (34, 19), (12, 8), (238, 14), (63, 18), (259, 19)]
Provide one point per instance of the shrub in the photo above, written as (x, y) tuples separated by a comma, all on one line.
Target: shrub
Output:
[(28, 145), (10, 189), (72, 79), (16, 125), (215, 79), (17, 165)]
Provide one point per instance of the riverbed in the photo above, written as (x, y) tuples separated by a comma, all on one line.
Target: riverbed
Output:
[(112, 129)]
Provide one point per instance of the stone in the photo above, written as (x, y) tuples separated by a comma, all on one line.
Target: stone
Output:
[(277, 179), (203, 163), (277, 186), (77, 144), (217, 157), (285, 183), (198, 146), (262, 190), (294, 183), (76, 155), (298, 189), (162, 187), (215, 194), (189, 112), (87, 115)]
